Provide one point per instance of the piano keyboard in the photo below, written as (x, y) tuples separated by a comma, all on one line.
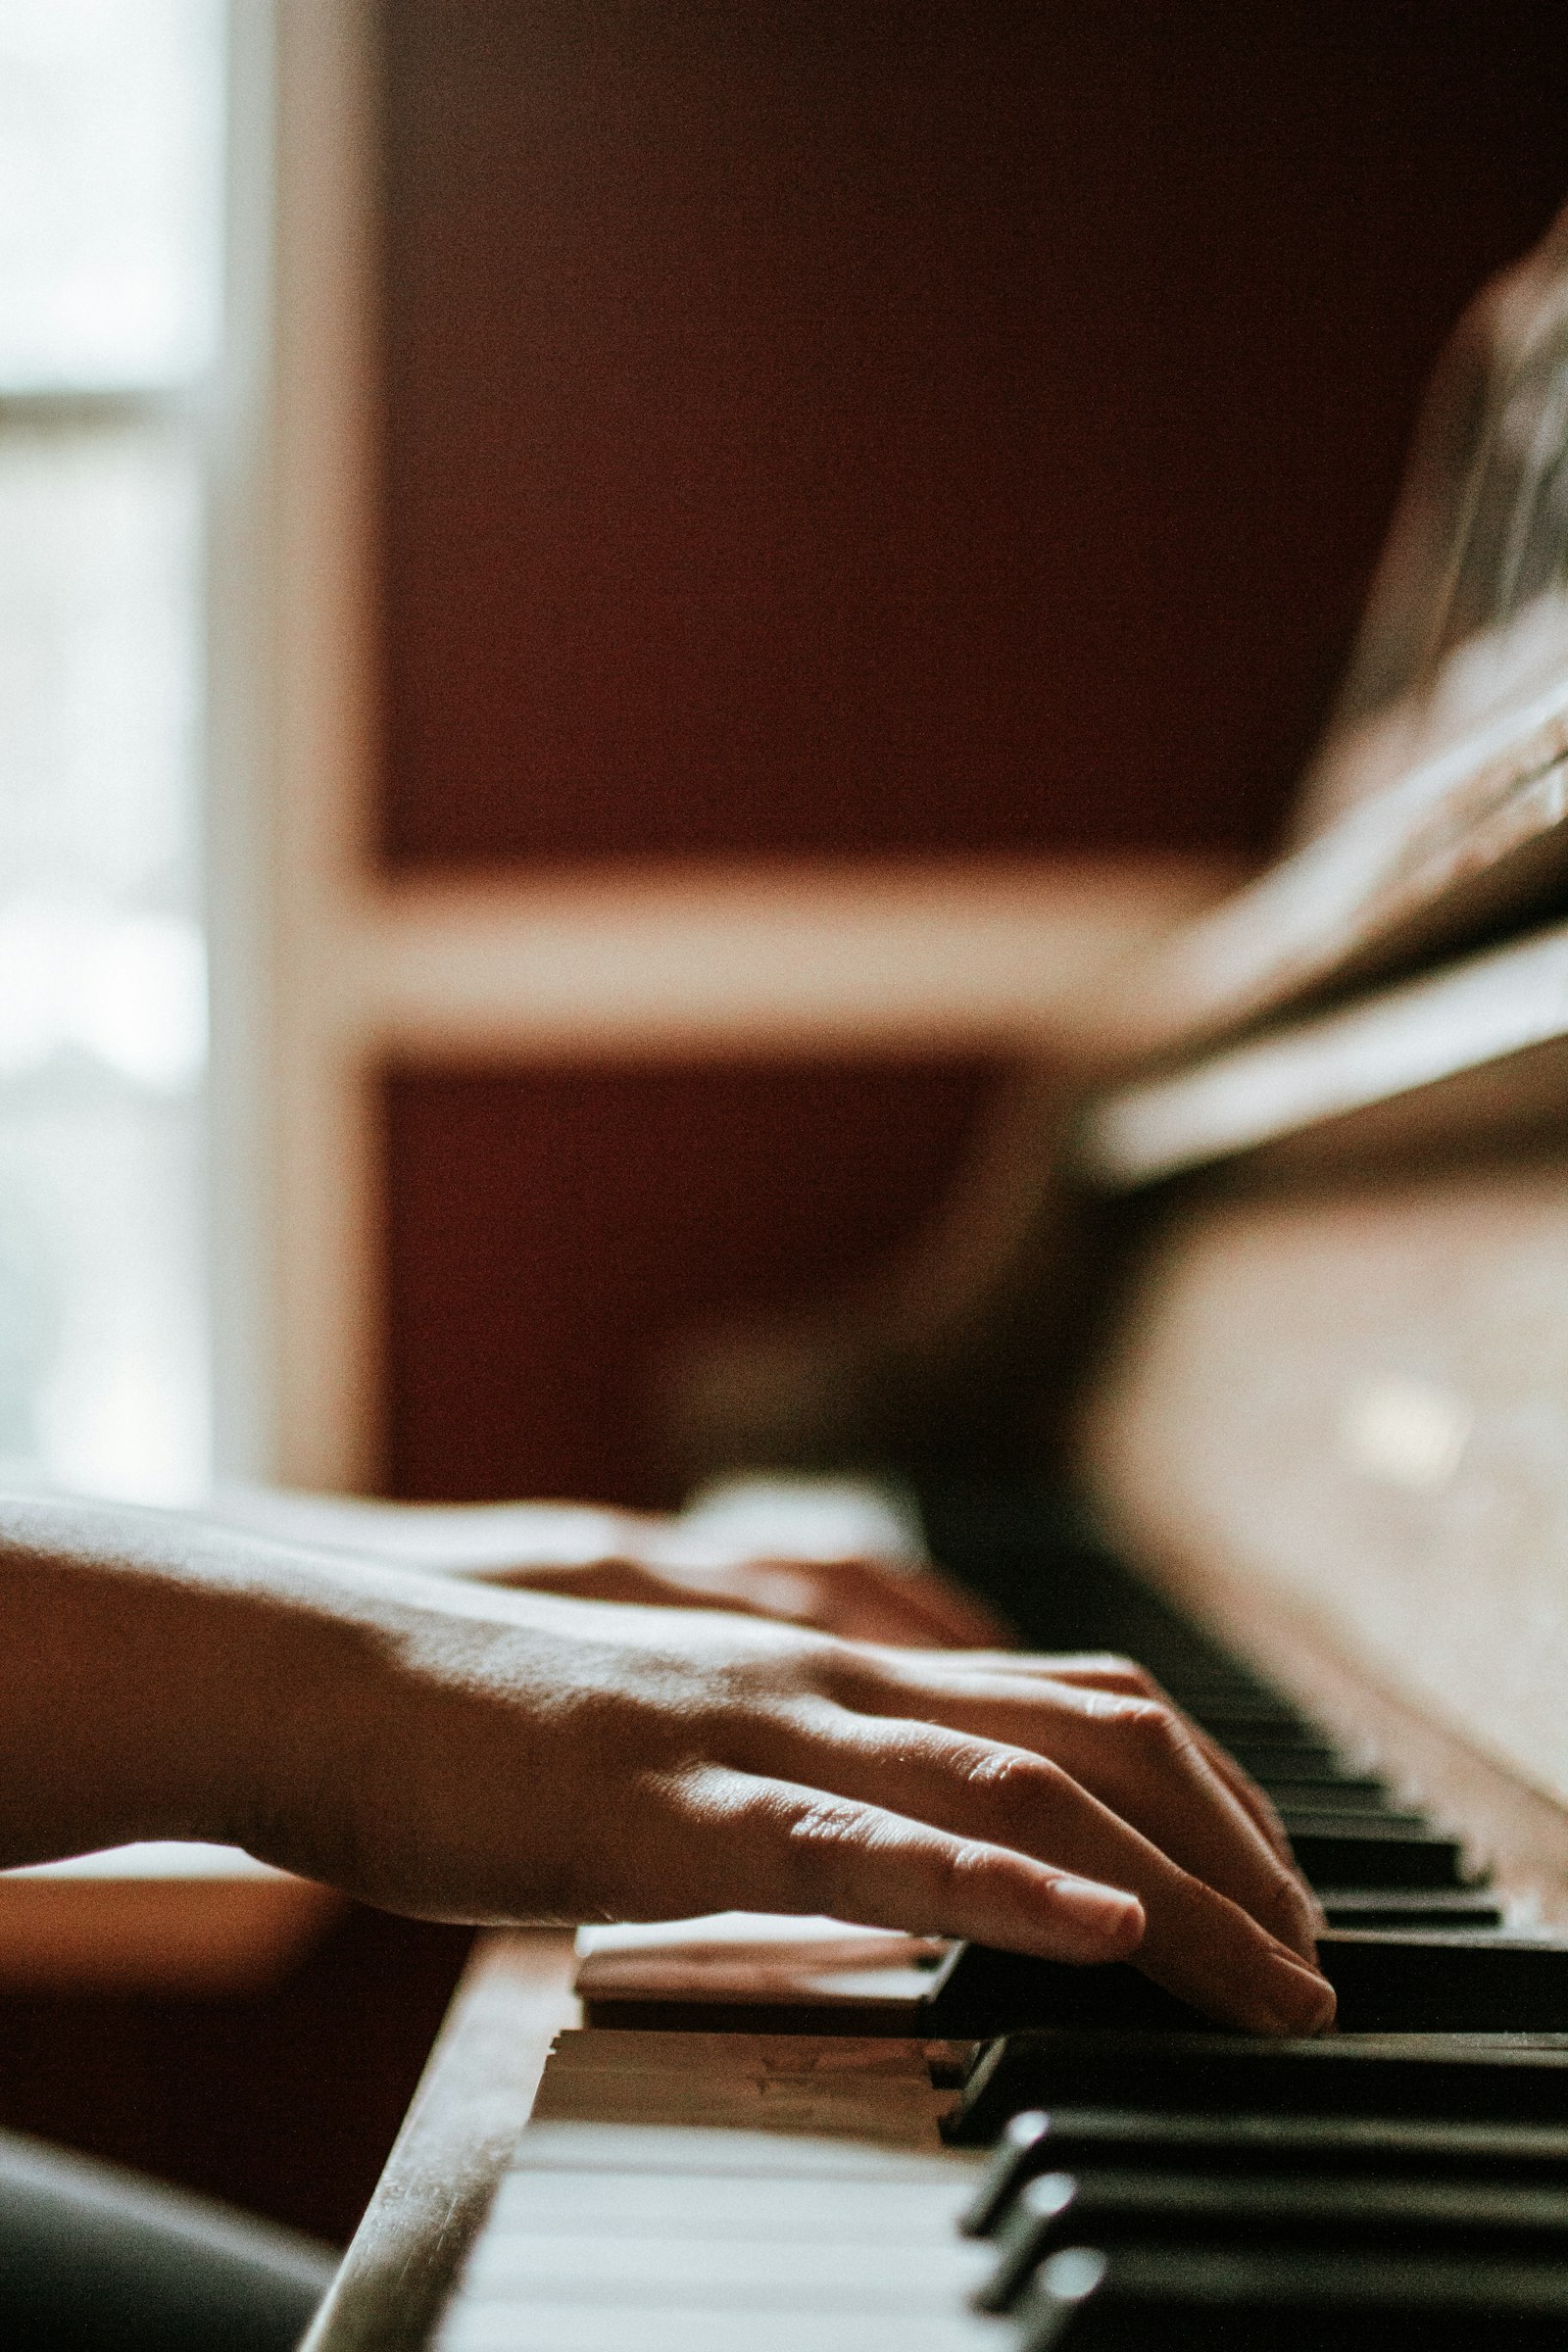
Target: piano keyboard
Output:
[(1064, 2157), (691, 2192)]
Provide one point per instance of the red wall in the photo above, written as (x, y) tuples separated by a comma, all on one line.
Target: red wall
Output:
[(551, 1233), (876, 424)]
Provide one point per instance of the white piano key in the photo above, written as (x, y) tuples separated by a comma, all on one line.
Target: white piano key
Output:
[(683, 2191), (912, 2126), (738, 2275), (865, 2212), (540, 2326), (703, 2149)]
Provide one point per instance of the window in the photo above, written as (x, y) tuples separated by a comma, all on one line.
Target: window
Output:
[(111, 177)]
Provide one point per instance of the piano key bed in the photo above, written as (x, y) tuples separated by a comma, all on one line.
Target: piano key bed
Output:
[(1007, 2154)]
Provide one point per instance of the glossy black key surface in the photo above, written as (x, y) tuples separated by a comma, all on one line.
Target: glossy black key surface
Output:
[(1307, 1817), (1109, 2208), (1456, 1909), (1371, 1855), (1167, 2299), (1308, 1759), (1260, 1720), (1339, 2147), (1482, 2077), (1404, 1980), (983, 1991), (1431, 1980), (1349, 1792)]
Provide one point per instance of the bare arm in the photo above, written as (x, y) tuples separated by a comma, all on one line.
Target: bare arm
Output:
[(465, 1753)]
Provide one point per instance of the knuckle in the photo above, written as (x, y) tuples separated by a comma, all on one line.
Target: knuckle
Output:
[(1156, 1728), (958, 1871), (764, 1736), (1113, 1667), (823, 1840), (829, 1825), (1004, 1773), (1016, 1792)]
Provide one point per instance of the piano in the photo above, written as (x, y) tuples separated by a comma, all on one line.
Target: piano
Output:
[(1248, 1358)]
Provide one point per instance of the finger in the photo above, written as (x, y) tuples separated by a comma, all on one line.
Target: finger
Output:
[(894, 1605), (1062, 1666), (1103, 1671), (857, 1600), (615, 1579), (1202, 1946), (1149, 1762), (1116, 1674), (1136, 1756), (954, 1618), (756, 1842), (883, 1602), (1257, 1803)]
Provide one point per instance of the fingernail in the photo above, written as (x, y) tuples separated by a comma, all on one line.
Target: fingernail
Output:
[(1113, 1922), (1300, 2000)]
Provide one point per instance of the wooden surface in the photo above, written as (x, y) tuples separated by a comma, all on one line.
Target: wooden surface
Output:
[(471, 2105), (1436, 809), (1505, 1011), (164, 1920), (1336, 1422), (1470, 842)]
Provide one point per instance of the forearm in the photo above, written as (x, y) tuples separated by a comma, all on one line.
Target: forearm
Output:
[(159, 1678)]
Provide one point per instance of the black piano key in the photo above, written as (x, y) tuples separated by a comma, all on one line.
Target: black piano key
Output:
[(1349, 1792), (1167, 2299), (1342, 2147), (1039, 2222), (983, 1991), (1454, 1908), (1217, 1691), (1370, 1854), (1485, 2078), (1280, 2209), (1257, 1719), (1310, 1817), (1389, 1981), (1309, 1758), (1026, 2146), (1425, 1980)]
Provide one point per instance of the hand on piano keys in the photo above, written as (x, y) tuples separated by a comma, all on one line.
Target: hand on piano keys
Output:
[(457, 1751), (527, 1756)]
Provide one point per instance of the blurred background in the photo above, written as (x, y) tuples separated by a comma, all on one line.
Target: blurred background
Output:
[(603, 609)]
